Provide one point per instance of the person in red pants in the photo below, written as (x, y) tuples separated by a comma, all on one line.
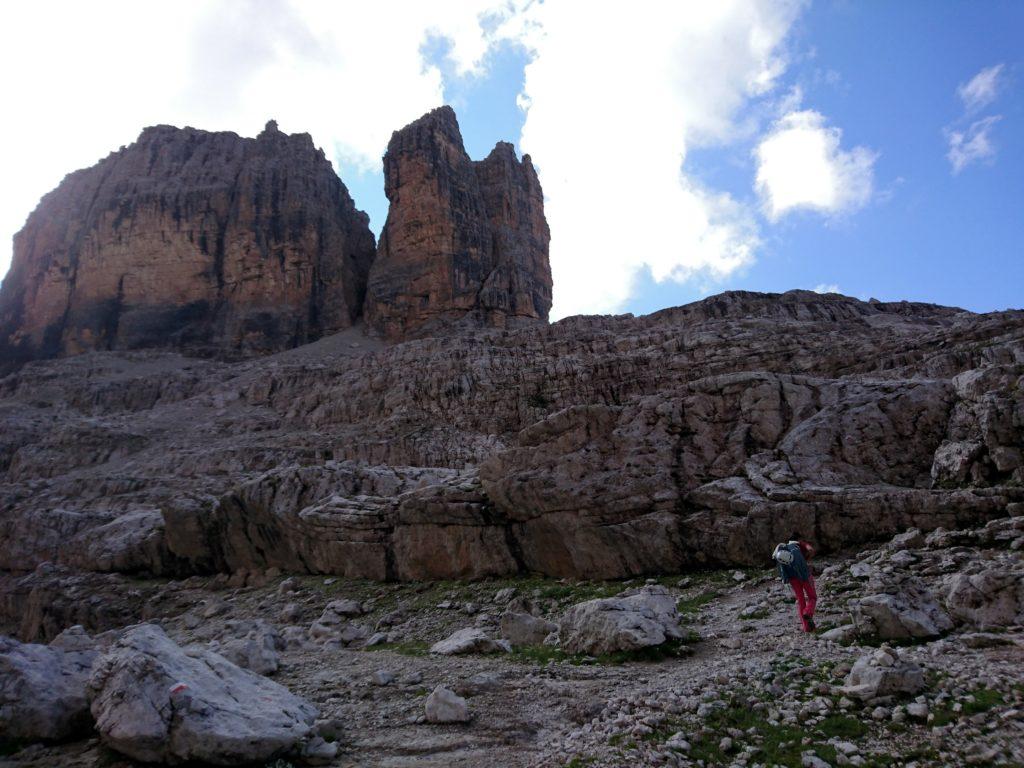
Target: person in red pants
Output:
[(794, 567)]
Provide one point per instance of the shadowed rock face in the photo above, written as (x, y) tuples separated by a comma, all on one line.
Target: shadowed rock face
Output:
[(202, 241), (463, 239)]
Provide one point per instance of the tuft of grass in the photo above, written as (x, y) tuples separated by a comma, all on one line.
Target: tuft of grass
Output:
[(409, 648), (842, 727), (759, 614), (690, 605)]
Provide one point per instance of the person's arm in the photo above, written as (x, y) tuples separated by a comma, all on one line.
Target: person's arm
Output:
[(807, 549)]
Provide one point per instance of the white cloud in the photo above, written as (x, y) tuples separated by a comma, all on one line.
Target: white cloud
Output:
[(83, 78), (612, 107), (613, 104), (826, 288), (801, 165), (982, 89), (973, 145)]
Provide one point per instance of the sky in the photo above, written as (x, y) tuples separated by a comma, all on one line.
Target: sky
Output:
[(871, 148)]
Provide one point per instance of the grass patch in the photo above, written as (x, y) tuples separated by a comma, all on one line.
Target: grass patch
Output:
[(409, 648), (984, 700), (690, 605), (842, 727), (780, 744)]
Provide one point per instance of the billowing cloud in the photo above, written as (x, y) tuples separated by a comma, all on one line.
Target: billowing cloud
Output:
[(972, 145), (982, 89), (614, 102), (613, 105), (82, 79), (826, 288), (801, 165)]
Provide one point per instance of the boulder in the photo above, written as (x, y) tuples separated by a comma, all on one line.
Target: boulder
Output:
[(156, 702), (43, 691), (444, 706), (628, 622), (469, 640), (525, 629), (992, 597), (906, 609), (883, 673), (254, 646)]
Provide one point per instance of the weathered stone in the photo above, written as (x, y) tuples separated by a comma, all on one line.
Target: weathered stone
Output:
[(883, 673), (203, 241), (444, 706), (156, 702), (645, 618), (992, 597), (470, 640), (43, 690), (463, 239), (524, 629), (906, 609)]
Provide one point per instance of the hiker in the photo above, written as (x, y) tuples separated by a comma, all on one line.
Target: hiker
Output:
[(793, 558)]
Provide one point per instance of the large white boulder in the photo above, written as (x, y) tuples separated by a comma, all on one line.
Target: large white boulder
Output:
[(902, 609), (645, 618), (157, 702), (883, 673), (470, 640), (43, 691), (993, 597)]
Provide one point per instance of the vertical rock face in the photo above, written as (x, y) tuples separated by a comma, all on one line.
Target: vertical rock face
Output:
[(204, 241), (462, 238)]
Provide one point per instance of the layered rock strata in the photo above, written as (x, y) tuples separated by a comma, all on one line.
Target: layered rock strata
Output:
[(594, 447), (203, 241), (463, 239)]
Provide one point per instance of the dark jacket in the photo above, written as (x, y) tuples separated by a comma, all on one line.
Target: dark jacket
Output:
[(798, 569)]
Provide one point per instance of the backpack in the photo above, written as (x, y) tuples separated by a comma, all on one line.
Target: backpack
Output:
[(783, 554)]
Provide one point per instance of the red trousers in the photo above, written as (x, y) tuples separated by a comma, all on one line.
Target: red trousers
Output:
[(806, 599)]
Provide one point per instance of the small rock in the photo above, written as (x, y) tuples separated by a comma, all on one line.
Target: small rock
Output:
[(444, 706)]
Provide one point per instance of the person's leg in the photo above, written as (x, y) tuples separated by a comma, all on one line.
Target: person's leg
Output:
[(812, 596), (798, 591)]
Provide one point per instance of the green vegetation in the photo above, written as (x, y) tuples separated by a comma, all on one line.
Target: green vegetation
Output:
[(842, 727), (403, 648), (779, 744), (984, 700), (690, 605)]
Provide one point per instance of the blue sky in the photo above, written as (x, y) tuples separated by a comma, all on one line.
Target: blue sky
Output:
[(875, 148)]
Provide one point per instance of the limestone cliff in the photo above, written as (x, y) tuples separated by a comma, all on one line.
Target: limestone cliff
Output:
[(203, 241), (462, 238)]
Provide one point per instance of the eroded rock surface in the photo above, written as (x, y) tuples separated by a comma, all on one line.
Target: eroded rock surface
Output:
[(43, 690), (157, 702), (463, 239), (204, 241), (594, 447)]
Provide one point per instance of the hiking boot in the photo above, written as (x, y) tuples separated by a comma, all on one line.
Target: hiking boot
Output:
[(810, 623)]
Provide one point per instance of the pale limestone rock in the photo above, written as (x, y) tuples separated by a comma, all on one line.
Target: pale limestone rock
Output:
[(157, 702)]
